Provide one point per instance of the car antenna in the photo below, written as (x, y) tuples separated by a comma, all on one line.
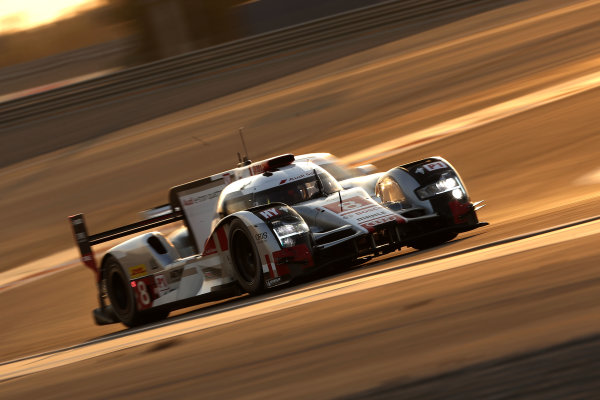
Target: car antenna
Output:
[(341, 206), (245, 160)]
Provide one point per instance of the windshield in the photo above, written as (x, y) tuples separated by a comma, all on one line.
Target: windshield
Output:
[(289, 193)]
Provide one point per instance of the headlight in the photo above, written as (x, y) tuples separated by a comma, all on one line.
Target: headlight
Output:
[(288, 232), (446, 183)]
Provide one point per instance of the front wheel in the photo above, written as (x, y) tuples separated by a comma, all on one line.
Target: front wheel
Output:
[(247, 267), (122, 298)]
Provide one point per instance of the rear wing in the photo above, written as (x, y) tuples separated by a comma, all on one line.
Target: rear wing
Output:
[(85, 241)]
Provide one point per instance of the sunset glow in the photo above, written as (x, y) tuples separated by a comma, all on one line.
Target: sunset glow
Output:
[(26, 14)]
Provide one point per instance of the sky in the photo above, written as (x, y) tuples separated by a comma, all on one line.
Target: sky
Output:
[(18, 15)]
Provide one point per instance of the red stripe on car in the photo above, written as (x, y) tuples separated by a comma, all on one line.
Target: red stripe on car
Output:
[(222, 239)]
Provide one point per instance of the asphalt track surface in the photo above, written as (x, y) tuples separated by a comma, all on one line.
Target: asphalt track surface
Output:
[(522, 324)]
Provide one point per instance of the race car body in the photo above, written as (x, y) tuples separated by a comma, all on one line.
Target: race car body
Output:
[(264, 224)]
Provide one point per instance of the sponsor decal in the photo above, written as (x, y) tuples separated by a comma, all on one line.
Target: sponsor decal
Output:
[(137, 271), (349, 206), (354, 206), (145, 291), (371, 214), (201, 198), (161, 284), (366, 213), (260, 237), (269, 213), (431, 167), (435, 165), (297, 177), (371, 224)]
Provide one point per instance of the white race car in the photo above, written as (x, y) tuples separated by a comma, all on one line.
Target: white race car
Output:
[(263, 224)]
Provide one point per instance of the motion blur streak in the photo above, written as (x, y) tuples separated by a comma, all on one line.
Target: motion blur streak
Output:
[(259, 307), (487, 115), (380, 64), (376, 153)]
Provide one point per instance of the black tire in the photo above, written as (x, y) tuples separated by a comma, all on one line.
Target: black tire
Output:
[(432, 241), (122, 298), (247, 267)]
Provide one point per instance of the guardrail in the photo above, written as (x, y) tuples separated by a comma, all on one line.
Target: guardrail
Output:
[(189, 65)]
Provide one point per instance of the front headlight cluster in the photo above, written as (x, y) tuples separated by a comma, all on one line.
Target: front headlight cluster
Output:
[(289, 232), (446, 183)]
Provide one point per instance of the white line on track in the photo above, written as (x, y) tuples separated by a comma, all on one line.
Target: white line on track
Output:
[(476, 119), (259, 307)]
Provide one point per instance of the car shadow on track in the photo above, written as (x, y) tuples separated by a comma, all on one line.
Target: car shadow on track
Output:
[(319, 279)]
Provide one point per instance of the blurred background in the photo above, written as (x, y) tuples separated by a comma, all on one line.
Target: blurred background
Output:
[(44, 42)]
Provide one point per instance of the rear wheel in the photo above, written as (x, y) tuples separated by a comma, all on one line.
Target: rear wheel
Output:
[(247, 266), (122, 298), (432, 241)]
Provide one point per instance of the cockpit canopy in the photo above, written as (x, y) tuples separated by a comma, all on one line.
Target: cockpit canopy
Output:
[(291, 184)]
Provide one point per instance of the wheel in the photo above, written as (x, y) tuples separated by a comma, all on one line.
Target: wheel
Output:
[(247, 267), (122, 298), (432, 241)]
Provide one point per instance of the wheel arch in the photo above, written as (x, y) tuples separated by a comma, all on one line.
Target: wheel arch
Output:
[(219, 240), (261, 235)]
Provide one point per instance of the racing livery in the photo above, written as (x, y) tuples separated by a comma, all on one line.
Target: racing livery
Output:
[(263, 224)]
